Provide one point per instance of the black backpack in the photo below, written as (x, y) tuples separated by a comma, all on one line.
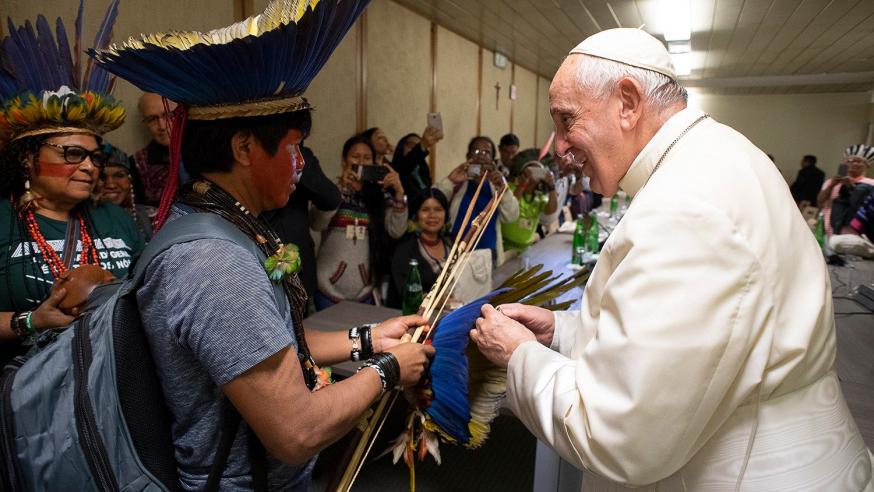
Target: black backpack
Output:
[(85, 411)]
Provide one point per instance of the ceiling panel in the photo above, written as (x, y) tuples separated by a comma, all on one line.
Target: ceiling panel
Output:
[(744, 42)]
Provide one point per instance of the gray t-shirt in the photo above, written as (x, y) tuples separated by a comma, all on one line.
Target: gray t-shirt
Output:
[(210, 315)]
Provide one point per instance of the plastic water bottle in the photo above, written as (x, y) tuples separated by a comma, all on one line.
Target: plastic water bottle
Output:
[(413, 292)]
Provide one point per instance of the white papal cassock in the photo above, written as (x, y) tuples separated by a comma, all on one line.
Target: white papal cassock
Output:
[(703, 355)]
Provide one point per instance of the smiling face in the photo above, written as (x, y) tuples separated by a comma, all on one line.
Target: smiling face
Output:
[(431, 216), (275, 177), (58, 181), (588, 128), (116, 185), (856, 166)]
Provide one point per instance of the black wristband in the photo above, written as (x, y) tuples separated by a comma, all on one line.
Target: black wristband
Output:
[(13, 324), (366, 341), (386, 365)]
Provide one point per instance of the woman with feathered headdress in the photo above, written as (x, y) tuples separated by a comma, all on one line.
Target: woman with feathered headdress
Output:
[(51, 121)]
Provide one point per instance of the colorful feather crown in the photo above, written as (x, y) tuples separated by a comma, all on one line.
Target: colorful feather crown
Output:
[(42, 85), (258, 66)]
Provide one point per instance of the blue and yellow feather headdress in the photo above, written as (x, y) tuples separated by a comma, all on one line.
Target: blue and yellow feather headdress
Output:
[(257, 67), (42, 86)]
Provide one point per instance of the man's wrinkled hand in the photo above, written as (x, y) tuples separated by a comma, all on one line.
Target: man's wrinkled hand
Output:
[(540, 321), (498, 336)]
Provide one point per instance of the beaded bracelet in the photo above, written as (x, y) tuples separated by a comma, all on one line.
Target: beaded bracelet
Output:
[(21, 324)]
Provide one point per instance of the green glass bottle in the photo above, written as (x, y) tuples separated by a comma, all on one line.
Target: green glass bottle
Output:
[(592, 241), (819, 230), (579, 242), (614, 205), (413, 292)]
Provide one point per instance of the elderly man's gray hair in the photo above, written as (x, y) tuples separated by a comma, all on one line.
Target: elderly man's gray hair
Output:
[(598, 77)]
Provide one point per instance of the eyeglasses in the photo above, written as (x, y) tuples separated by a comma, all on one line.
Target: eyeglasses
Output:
[(74, 154), (482, 153), (151, 120)]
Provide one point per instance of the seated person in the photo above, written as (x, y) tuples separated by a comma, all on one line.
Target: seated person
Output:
[(116, 186), (410, 160), (857, 158), (856, 237), (461, 185), (352, 258), (535, 190), (429, 245)]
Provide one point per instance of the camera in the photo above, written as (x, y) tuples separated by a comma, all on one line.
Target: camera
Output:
[(370, 174), (474, 170)]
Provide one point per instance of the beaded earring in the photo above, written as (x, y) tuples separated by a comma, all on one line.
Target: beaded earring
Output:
[(27, 202)]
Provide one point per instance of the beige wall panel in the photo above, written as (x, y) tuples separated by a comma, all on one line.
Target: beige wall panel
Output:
[(525, 108), (495, 121), (544, 121), (790, 126), (398, 69), (332, 94), (134, 17), (457, 69)]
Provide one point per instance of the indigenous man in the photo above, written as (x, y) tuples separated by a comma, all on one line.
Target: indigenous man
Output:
[(703, 354), (215, 325)]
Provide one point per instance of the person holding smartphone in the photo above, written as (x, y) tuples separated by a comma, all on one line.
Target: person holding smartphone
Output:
[(372, 212), (461, 185), (410, 160), (852, 171)]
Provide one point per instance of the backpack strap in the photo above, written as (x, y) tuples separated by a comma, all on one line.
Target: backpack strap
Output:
[(231, 420), (193, 227)]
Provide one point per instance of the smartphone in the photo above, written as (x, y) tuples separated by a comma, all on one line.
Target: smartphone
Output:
[(474, 170), (371, 174), (842, 170), (435, 120)]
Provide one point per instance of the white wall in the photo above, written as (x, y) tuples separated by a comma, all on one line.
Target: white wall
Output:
[(792, 125)]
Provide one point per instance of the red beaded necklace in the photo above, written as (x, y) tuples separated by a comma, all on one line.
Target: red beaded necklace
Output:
[(89, 251)]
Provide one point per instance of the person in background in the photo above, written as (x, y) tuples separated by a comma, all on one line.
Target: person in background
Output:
[(115, 186), (429, 245), (534, 188), (381, 146), (702, 355), (291, 222), (410, 160), (857, 159), (150, 165), (460, 185), (355, 238), (808, 182), (855, 237), (508, 147)]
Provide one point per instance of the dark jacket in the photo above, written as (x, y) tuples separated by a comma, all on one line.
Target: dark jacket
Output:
[(808, 184), (291, 222)]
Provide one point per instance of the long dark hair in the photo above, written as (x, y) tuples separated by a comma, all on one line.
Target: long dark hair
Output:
[(420, 199), (399, 148), (372, 196)]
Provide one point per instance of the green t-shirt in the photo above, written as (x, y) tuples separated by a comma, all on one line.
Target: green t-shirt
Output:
[(25, 278), (519, 234)]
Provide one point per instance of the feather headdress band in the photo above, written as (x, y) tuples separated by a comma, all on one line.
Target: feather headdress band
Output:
[(42, 85), (258, 66)]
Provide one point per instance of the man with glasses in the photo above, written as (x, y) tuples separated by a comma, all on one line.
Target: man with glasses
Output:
[(151, 164)]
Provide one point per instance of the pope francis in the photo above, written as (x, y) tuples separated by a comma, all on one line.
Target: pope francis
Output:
[(703, 355)]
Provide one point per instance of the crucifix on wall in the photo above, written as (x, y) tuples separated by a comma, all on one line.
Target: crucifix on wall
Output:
[(497, 94)]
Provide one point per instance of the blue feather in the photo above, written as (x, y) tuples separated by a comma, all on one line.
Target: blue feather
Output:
[(450, 407), (97, 79), (66, 67), (77, 45), (49, 52)]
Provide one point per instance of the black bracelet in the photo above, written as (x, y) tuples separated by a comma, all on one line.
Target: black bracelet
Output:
[(366, 341), (13, 323), (387, 367), (21, 324)]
